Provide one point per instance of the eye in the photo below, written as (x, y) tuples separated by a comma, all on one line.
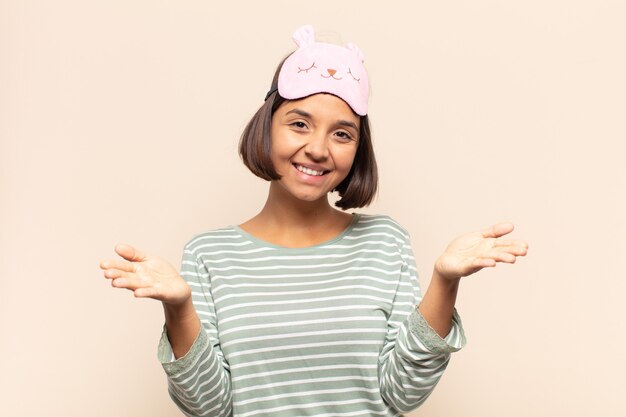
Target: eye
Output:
[(353, 76), (298, 124), (306, 70), (344, 136)]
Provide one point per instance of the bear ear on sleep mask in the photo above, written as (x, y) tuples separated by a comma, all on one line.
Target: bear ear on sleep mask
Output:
[(318, 67)]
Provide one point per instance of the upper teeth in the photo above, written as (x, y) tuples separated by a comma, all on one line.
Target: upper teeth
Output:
[(309, 171)]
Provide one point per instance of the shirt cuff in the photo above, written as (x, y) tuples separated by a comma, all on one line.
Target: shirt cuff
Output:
[(184, 363), (453, 342)]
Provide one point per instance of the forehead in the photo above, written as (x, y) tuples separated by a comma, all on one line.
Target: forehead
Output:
[(321, 105)]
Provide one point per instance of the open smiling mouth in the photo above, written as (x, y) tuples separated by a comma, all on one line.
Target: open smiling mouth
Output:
[(309, 171)]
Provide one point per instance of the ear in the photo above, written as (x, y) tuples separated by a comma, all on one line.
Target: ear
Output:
[(356, 51), (304, 35)]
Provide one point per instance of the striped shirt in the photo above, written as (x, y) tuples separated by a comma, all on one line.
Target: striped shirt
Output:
[(327, 330)]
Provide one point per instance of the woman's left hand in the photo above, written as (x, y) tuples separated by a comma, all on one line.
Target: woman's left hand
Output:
[(474, 251)]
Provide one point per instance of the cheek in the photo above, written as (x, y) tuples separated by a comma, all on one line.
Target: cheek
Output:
[(281, 153), (278, 159), (345, 158), (281, 147)]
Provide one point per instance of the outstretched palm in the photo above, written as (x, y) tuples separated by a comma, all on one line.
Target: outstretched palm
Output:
[(474, 251), (146, 275)]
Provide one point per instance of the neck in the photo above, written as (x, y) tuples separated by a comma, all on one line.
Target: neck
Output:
[(291, 222), (283, 209)]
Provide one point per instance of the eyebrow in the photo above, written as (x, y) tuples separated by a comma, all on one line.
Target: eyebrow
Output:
[(300, 112), (310, 116), (348, 124)]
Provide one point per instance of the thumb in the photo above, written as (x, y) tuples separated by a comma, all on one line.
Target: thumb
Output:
[(130, 253)]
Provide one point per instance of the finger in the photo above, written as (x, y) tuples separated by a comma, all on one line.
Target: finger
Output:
[(510, 242), (519, 244), (498, 229), (116, 273), (130, 253), (146, 292), (128, 283), (120, 283), (517, 250), (514, 250), (122, 265), (502, 256)]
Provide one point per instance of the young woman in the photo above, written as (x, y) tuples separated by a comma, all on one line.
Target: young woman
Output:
[(305, 309)]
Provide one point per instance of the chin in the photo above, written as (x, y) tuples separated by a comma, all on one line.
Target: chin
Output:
[(306, 194), (310, 198), (303, 195)]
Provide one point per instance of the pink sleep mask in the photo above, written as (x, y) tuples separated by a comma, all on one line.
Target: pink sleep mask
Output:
[(317, 67)]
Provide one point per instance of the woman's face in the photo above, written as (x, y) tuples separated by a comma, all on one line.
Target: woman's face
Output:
[(314, 141)]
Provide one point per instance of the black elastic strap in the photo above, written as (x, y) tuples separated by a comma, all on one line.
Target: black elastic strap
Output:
[(273, 88)]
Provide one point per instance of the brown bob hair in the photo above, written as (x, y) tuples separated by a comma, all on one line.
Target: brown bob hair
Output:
[(255, 146)]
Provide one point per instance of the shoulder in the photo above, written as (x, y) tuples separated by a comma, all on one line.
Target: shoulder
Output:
[(382, 223), (217, 237)]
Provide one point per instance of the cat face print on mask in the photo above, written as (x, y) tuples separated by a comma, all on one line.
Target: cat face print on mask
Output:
[(317, 67)]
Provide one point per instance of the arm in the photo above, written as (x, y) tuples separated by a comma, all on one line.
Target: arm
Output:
[(198, 376), (183, 326), (414, 356), (199, 381), (437, 305), (418, 350)]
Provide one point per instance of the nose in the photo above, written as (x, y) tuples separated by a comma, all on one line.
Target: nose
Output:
[(317, 147), (331, 71)]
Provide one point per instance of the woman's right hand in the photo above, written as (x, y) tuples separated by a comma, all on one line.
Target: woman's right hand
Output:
[(146, 275)]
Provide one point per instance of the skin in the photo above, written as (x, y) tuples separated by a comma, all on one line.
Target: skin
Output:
[(319, 132)]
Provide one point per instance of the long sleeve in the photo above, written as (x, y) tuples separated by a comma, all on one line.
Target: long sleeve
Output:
[(330, 329), (199, 382), (414, 356)]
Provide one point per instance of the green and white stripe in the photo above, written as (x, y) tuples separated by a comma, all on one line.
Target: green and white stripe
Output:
[(327, 330)]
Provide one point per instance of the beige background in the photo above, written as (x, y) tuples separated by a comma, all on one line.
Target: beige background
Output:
[(119, 122)]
